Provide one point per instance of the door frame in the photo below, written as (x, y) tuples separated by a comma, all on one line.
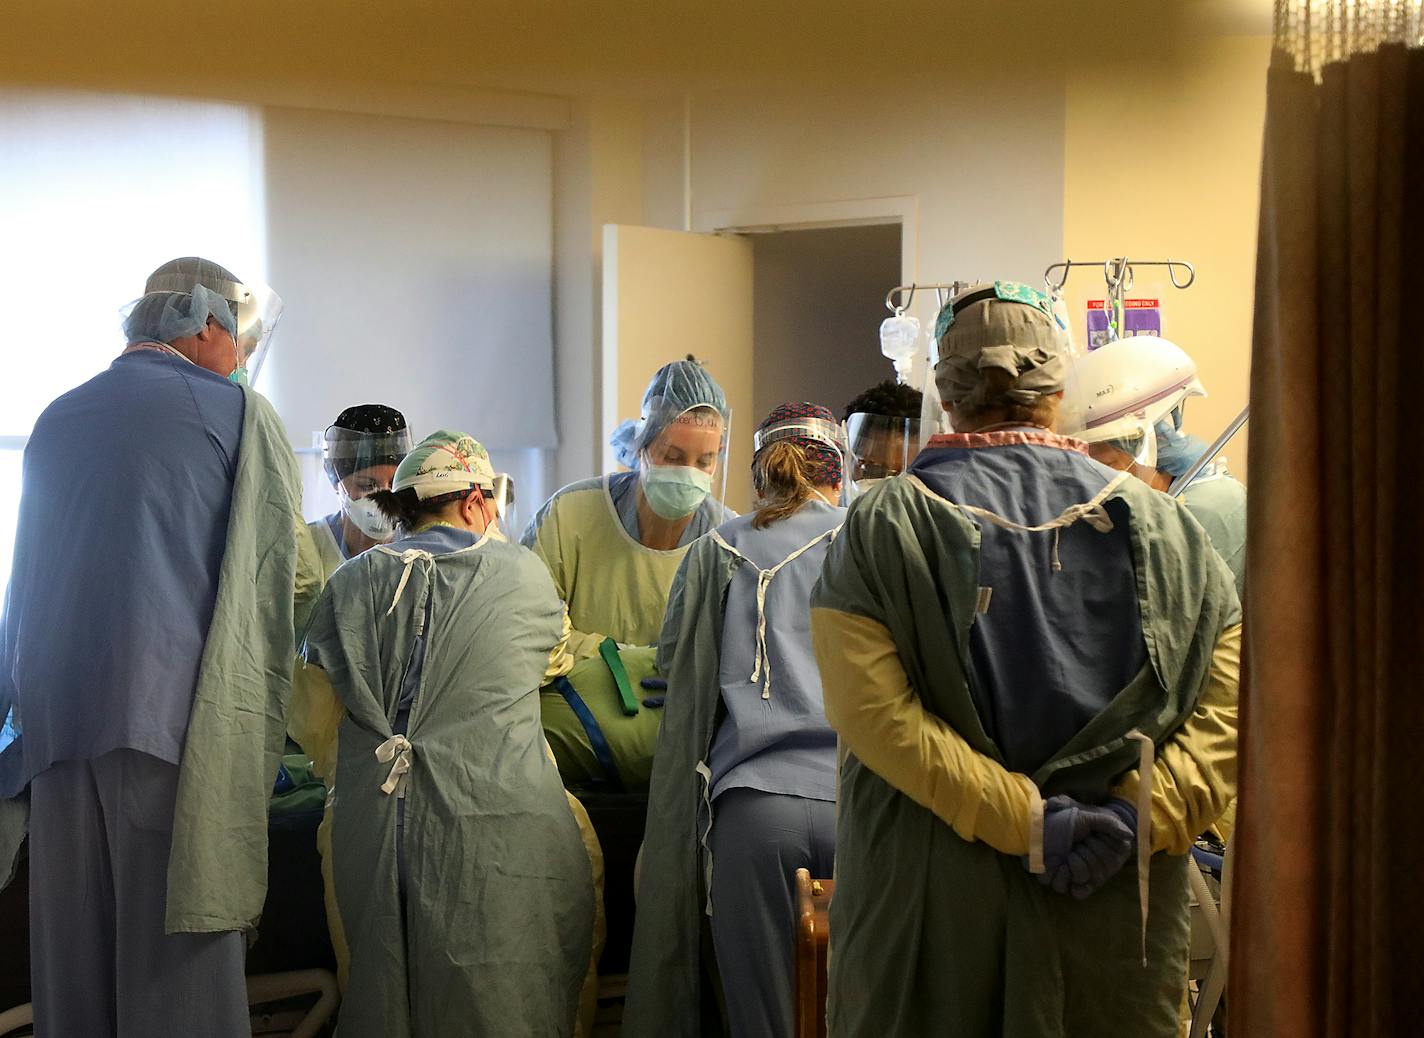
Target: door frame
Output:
[(897, 209)]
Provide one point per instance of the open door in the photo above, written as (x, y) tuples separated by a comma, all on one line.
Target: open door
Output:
[(667, 294)]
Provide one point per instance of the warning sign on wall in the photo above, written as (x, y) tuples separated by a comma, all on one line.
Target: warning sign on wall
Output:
[(1139, 317)]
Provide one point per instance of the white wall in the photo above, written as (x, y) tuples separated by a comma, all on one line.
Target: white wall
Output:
[(971, 158), (982, 158)]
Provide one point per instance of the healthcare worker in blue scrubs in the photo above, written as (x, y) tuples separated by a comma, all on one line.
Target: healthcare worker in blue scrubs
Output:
[(746, 760), (146, 659)]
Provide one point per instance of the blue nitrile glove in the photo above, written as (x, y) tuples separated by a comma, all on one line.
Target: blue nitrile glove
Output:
[(654, 685), (1126, 812), (1084, 845)]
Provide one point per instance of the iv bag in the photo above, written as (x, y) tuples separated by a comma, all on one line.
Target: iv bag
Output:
[(899, 338)]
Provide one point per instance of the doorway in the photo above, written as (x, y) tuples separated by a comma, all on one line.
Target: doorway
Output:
[(818, 300)]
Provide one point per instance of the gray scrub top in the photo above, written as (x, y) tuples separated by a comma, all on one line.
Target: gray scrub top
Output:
[(122, 528), (782, 743)]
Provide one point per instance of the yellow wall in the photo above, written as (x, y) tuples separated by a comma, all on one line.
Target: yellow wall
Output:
[(1162, 159)]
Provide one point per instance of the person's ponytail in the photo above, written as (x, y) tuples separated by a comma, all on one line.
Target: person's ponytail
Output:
[(783, 473)]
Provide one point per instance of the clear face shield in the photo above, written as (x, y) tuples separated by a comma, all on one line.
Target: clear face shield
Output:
[(830, 435), (682, 467), (256, 308), (880, 446), (504, 503), (1119, 392), (359, 464)]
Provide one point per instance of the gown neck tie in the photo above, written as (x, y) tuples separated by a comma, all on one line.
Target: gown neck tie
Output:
[(409, 557), (1091, 512), (761, 670)]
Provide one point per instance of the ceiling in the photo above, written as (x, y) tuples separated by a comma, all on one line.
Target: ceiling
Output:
[(617, 47)]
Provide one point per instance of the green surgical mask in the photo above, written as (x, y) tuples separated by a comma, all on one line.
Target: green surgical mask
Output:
[(675, 491)]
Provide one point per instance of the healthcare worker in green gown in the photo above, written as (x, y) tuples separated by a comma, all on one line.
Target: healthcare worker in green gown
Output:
[(613, 543), (1031, 661), (462, 881), (744, 741)]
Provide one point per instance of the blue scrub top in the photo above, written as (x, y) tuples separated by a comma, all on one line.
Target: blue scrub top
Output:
[(438, 540), (122, 528), (782, 744), (1054, 648)]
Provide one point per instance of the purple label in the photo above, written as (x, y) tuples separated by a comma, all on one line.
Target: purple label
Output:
[(1139, 317)]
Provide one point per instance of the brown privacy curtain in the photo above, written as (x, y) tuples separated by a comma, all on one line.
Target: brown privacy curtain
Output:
[(1328, 903)]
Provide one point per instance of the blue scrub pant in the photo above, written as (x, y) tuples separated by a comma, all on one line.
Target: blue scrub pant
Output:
[(758, 842), (100, 963)]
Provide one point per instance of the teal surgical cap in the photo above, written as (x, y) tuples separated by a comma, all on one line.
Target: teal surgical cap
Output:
[(165, 316)]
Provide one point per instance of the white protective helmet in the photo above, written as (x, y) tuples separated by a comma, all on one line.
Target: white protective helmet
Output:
[(1122, 389)]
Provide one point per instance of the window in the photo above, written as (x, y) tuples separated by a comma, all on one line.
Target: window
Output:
[(96, 191), (414, 259)]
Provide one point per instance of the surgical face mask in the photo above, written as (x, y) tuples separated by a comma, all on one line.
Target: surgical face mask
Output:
[(675, 491), (369, 519)]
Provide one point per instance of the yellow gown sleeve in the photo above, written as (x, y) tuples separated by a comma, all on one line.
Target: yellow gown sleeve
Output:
[(870, 704), (1194, 775), (561, 661), (314, 717), (547, 544), (309, 580)]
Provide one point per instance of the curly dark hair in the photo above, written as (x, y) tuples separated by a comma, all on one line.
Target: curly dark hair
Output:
[(887, 398)]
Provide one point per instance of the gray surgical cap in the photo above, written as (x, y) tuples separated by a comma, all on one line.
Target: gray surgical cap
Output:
[(1005, 326)]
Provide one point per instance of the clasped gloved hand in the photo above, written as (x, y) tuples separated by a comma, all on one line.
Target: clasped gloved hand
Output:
[(658, 685), (1084, 845)]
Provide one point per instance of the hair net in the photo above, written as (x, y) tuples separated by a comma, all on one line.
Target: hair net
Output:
[(165, 316), (1177, 451), (443, 463), (812, 428), (1007, 326), (677, 388)]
